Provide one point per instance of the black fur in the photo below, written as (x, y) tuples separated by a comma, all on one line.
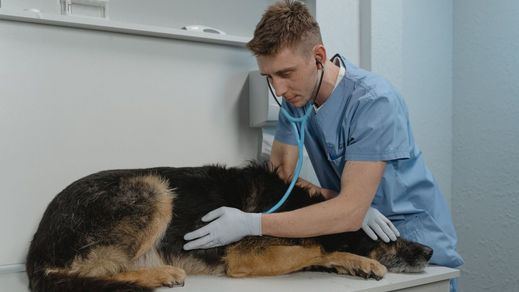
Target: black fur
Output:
[(84, 214)]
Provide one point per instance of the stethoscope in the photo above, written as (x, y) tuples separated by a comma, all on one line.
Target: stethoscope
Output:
[(301, 135)]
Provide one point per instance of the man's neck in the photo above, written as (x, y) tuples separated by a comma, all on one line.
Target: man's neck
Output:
[(331, 72)]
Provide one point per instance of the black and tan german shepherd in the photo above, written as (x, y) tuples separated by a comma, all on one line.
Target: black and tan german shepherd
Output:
[(122, 230)]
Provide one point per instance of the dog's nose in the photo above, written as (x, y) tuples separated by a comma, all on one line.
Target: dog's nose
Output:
[(428, 252)]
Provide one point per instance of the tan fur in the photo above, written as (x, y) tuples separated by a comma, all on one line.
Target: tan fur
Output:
[(151, 258), (162, 217), (276, 260), (108, 261), (195, 266), (273, 260), (153, 277), (103, 260), (382, 250), (355, 265)]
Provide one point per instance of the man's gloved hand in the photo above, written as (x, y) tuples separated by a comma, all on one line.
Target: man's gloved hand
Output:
[(230, 225), (375, 222)]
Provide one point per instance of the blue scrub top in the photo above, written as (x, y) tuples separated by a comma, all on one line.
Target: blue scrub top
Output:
[(366, 119)]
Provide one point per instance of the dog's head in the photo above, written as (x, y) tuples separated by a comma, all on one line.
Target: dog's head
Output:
[(398, 256), (402, 255)]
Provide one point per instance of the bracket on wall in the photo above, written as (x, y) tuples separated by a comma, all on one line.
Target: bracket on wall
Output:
[(89, 8)]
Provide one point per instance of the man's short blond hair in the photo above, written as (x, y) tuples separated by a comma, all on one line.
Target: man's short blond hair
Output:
[(284, 24)]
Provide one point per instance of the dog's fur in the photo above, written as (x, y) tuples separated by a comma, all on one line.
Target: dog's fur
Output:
[(122, 230)]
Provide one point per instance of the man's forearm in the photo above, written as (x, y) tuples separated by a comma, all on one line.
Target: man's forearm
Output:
[(332, 216), (342, 213)]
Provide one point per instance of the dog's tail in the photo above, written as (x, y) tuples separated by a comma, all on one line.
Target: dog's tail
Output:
[(42, 282)]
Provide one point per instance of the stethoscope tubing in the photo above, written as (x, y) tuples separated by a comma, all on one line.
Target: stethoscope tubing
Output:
[(300, 137)]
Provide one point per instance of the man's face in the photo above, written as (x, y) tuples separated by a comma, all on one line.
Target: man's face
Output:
[(292, 74)]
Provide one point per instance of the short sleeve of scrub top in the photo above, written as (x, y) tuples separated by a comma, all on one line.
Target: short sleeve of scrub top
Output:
[(379, 129)]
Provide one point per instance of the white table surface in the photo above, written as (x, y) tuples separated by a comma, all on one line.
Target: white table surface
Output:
[(302, 281), (313, 281)]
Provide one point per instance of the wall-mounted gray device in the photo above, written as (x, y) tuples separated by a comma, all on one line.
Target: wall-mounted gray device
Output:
[(263, 109), (89, 8)]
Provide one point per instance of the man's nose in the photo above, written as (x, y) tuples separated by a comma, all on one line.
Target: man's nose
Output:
[(280, 87)]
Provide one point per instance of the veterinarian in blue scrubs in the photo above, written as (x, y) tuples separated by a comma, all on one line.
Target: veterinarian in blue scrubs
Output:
[(359, 141)]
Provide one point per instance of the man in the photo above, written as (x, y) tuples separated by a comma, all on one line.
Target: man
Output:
[(358, 139)]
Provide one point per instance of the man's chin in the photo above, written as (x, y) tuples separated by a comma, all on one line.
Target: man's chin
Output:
[(300, 103), (297, 102)]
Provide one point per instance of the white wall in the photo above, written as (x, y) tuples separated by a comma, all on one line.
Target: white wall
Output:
[(410, 43), (75, 101), (339, 24), (232, 16), (486, 139), (427, 82)]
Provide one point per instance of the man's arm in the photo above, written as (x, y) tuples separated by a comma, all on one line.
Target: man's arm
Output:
[(284, 156), (343, 213), (359, 182)]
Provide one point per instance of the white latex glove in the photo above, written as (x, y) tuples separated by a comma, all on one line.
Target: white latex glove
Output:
[(375, 222), (230, 225)]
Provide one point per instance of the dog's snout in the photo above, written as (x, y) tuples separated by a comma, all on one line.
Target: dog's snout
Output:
[(428, 252)]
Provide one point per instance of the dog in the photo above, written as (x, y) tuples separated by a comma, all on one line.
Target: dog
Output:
[(122, 230)]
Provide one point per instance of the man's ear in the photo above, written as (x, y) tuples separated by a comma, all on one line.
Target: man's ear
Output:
[(320, 53)]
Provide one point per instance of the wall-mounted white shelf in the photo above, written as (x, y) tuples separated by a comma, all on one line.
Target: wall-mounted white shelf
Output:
[(121, 27)]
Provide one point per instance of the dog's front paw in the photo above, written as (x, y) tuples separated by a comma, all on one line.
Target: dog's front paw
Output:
[(365, 268), (170, 276), (371, 269), (355, 265)]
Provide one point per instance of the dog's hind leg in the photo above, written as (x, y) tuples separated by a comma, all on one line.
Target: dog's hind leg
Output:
[(153, 277), (283, 259), (146, 268), (110, 265), (130, 255)]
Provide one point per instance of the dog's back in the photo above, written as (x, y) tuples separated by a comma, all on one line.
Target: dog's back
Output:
[(122, 230), (115, 220)]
